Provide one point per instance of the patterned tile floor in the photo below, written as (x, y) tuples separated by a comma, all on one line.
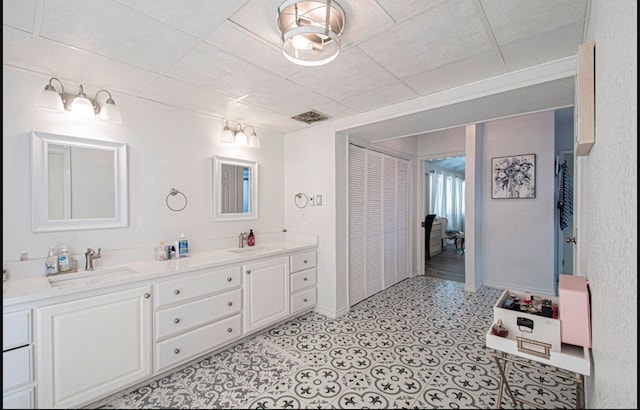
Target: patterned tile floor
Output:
[(418, 344)]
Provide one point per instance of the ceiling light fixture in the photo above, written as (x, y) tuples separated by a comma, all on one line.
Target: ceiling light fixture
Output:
[(79, 103), (310, 30), (237, 136)]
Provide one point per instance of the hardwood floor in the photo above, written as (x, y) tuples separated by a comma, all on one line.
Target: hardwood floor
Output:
[(447, 265)]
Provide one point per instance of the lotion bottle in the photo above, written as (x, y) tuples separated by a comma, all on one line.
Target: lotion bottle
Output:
[(183, 247), (64, 261), (52, 262)]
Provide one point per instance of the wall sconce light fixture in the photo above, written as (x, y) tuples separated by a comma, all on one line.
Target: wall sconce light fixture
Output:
[(310, 30), (80, 103), (237, 136)]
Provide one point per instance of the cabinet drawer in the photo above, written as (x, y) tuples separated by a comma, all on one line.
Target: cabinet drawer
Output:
[(23, 399), (16, 329), (302, 300), (193, 314), (183, 289), (191, 344), (302, 280), (302, 261), (17, 367)]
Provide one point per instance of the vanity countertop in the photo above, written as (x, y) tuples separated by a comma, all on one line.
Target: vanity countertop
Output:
[(17, 291)]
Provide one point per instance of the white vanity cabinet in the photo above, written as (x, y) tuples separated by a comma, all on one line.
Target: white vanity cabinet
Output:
[(94, 346), (303, 281), (266, 293), (196, 314), (18, 382)]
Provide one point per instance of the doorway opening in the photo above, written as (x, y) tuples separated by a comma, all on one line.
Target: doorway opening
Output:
[(444, 197)]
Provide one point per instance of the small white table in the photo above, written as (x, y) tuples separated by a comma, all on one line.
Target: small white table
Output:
[(574, 363)]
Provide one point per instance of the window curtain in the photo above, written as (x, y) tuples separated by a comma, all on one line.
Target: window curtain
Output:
[(447, 198)]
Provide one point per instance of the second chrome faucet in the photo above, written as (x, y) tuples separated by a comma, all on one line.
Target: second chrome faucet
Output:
[(242, 239), (89, 256)]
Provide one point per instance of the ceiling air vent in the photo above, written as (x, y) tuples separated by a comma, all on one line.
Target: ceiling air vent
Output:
[(310, 117)]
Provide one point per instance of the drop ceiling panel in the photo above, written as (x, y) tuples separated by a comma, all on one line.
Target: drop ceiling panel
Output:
[(286, 98), (16, 47), (363, 19), (211, 68), (179, 94), (401, 9), (513, 20), (242, 44), (89, 69), (195, 17), (116, 32), (260, 17), (461, 72), (553, 44), (19, 14), (241, 112), (430, 40), (352, 73), (380, 97)]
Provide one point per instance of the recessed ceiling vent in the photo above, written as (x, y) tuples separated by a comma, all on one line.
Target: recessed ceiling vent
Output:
[(310, 117)]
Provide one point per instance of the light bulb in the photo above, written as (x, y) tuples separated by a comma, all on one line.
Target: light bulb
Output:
[(300, 42), (241, 139)]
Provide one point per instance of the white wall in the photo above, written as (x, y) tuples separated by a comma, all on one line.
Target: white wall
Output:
[(518, 235), (439, 144), (168, 148), (609, 208)]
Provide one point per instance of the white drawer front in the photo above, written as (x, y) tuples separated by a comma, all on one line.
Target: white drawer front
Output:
[(303, 261), (193, 314), (302, 280), (191, 344), (17, 367), (16, 329), (183, 289), (23, 399), (302, 300)]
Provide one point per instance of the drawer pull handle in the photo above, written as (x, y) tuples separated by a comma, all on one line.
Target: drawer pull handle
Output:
[(229, 279), (304, 261), (229, 330), (305, 300), (305, 279), (147, 295), (229, 303), (176, 292), (248, 272), (176, 351), (176, 320)]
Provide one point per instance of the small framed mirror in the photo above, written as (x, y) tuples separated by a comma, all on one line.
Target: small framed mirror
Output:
[(77, 183), (235, 189)]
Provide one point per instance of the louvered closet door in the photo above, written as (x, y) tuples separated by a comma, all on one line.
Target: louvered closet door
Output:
[(374, 236), (378, 222), (357, 216), (389, 221), (402, 220)]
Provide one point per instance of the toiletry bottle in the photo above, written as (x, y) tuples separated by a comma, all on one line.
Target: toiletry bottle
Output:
[(183, 246), (251, 239), (52, 262), (160, 253), (64, 260)]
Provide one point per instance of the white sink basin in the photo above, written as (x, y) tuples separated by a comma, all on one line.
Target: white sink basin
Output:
[(77, 279), (251, 250)]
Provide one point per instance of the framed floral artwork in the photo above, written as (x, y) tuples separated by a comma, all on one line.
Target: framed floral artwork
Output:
[(513, 177)]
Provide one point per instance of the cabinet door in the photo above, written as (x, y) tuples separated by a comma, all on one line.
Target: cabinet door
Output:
[(91, 347), (266, 287)]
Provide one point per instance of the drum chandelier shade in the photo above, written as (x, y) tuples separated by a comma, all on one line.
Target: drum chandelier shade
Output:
[(310, 30)]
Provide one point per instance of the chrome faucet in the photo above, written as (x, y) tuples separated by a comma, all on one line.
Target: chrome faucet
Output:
[(89, 257), (242, 238)]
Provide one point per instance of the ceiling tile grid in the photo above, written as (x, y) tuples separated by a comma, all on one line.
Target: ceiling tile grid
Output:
[(223, 58)]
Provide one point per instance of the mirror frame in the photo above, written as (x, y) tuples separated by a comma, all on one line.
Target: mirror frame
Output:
[(40, 222), (217, 190)]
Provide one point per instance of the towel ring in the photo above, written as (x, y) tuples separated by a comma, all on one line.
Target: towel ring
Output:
[(174, 192)]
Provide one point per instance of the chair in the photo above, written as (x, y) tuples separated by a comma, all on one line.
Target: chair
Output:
[(428, 224)]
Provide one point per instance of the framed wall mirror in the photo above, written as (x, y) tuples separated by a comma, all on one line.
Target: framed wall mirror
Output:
[(77, 183), (235, 189)]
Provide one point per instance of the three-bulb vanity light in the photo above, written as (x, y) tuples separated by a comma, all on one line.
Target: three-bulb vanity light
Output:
[(80, 103), (237, 136)]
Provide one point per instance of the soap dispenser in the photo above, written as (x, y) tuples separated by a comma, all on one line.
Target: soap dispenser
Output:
[(251, 238)]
